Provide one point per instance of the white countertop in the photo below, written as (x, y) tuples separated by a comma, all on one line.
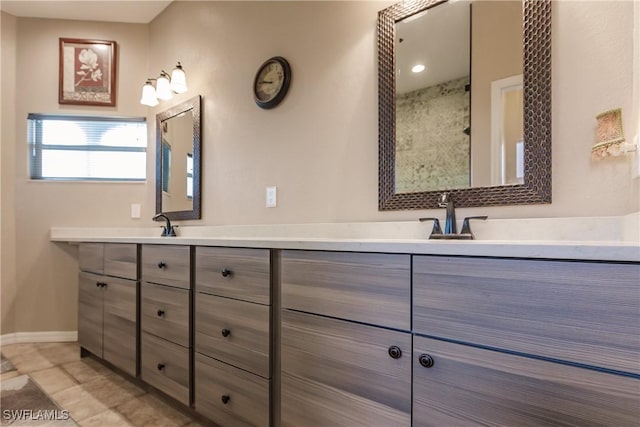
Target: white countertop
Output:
[(393, 237)]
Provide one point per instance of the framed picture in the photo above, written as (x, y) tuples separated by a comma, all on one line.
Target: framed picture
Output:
[(87, 72)]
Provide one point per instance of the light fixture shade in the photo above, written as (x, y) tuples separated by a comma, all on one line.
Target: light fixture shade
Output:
[(178, 80), (148, 95), (163, 87)]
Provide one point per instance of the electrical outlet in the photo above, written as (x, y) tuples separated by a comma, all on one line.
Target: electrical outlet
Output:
[(272, 197)]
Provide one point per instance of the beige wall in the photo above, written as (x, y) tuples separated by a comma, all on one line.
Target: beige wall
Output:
[(319, 146), (7, 176), (45, 279)]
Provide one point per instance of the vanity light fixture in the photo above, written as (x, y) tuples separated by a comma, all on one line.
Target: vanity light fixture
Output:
[(165, 86), (418, 68)]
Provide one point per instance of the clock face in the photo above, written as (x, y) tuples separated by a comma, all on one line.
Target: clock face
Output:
[(271, 82)]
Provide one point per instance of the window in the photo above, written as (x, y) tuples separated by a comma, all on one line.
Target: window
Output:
[(87, 148)]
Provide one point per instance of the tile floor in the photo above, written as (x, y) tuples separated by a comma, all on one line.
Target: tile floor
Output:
[(92, 393)]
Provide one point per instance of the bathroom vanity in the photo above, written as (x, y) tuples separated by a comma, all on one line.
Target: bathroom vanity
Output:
[(252, 331)]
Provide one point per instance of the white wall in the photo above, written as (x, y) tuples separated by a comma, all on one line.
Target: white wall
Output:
[(319, 146)]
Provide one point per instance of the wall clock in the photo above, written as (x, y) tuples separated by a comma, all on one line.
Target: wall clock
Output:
[(272, 82)]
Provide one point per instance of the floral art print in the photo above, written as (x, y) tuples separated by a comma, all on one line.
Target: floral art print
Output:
[(87, 72)]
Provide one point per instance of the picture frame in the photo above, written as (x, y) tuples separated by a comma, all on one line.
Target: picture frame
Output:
[(87, 72)]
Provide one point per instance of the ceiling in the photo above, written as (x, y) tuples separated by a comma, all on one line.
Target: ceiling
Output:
[(140, 11)]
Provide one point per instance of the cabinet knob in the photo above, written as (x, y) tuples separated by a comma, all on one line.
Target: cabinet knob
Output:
[(226, 272), (225, 398), (425, 360), (160, 313), (98, 284), (395, 352), (162, 264), (160, 366), (226, 332)]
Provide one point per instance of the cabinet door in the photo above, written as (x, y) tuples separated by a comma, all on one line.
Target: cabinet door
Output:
[(472, 386), (90, 312), (339, 373), (119, 340)]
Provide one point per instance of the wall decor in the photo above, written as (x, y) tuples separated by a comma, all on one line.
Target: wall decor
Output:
[(272, 82), (87, 72)]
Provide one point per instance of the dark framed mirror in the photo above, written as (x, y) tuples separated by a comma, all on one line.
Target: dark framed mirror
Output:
[(416, 179), (178, 149)]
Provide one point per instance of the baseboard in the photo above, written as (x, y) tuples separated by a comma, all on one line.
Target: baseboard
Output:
[(33, 337)]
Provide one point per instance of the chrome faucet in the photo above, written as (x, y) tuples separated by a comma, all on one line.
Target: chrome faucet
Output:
[(167, 230), (450, 229), (450, 222)]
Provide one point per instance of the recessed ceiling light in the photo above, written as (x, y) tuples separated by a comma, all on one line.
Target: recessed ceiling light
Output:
[(418, 68)]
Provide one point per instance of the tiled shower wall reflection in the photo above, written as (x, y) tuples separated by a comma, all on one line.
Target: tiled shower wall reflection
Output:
[(432, 149)]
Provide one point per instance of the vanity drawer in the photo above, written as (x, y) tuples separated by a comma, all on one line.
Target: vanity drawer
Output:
[(365, 287), (229, 396), (491, 388), (234, 272), (336, 372), (581, 312), (91, 257), (236, 332), (164, 312), (121, 260), (166, 264), (165, 366)]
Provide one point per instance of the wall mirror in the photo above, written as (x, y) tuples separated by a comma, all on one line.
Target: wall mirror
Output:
[(476, 121), (178, 146)]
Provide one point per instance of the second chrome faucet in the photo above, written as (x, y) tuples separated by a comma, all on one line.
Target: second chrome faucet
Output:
[(450, 228)]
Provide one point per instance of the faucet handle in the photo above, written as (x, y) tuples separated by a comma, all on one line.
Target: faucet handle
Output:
[(436, 225), (466, 228)]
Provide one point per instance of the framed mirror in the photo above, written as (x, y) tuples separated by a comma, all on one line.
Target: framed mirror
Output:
[(178, 147), (477, 124)]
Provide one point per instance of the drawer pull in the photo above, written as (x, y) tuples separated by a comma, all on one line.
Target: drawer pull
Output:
[(395, 352), (226, 272), (160, 313), (160, 366), (98, 284), (225, 398), (425, 360), (225, 332), (162, 265)]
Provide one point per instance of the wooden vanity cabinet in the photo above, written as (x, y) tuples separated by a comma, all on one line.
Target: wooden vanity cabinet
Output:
[(345, 340), (525, 342), (107, 303), (464, 385), (165, 320), (233, 350)]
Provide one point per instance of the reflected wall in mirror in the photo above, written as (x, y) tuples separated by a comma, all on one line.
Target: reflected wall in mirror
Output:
[(178, 146), (477, 120)]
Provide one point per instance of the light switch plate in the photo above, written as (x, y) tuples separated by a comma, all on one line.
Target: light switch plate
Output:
[(135, 210), (272, 197)]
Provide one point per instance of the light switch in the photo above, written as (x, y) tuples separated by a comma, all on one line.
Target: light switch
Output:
[(271, 197), (135, 210)]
